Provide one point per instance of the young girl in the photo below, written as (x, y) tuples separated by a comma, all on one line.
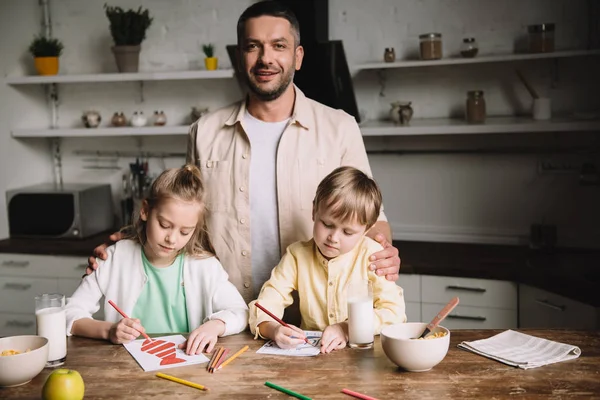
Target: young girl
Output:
[(165, 274)]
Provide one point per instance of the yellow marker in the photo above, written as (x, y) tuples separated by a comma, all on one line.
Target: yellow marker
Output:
[(182, 381), (243, 349)]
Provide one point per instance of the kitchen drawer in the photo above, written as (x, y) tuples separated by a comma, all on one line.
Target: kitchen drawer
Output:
[(17, 294), (411, 284), (468, 317), (413, 311), (41, 266), (541, 309), (471, 292), (12, 324)]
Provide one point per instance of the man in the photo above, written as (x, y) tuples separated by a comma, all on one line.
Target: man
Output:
[(262, 158)]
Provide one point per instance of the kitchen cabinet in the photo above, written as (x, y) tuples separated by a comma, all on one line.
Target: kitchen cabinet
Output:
[(542, 309), (24, 276), (484, 303)]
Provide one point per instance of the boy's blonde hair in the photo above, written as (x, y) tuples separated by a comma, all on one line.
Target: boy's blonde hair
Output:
[(184, 184), (350, 195)]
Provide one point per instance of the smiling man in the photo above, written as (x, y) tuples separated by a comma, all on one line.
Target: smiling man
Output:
[(262, 158)]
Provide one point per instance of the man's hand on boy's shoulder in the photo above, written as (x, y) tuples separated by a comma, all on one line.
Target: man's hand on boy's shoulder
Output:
[(387, 261)]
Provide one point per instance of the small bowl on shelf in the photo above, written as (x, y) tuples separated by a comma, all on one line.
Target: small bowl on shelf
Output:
[(415, 355), (18, 369)]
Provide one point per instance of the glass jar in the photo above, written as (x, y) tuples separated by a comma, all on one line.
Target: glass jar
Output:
[(389, 55), (469, 48), (431, 46), (475, 107), (541, 38)]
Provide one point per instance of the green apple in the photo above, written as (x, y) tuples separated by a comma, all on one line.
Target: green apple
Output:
[(63, 384)]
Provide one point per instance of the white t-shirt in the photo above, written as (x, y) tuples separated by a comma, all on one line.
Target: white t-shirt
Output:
[(264, 217)]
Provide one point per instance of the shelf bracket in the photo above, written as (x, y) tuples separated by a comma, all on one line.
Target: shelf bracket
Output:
[(57, 161), (141, 91), (382, 79)]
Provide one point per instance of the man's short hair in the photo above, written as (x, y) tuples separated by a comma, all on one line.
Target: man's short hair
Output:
[(270, 8), (349, 194)]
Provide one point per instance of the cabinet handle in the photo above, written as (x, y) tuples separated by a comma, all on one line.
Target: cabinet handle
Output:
[(18, 324), (18, 286), (467, 288), (15, 264), (469, 317), (81, 266), (546, 303)]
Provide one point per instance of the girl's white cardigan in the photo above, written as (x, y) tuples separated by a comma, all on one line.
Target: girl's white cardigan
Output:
[(209, 294)]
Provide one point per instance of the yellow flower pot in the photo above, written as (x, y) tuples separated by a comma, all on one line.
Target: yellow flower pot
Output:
[(46, 65), (211, 63)]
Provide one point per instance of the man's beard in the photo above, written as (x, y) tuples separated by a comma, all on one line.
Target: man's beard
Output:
[(272, 94)]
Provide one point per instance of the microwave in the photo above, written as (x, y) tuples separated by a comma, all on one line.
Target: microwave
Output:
[(59, 211)]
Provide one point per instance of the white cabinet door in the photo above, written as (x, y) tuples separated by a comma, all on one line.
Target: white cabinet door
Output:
[(470, 291), (17, 294), (541, 309), (12, 324), (413, 311), (469, 317)]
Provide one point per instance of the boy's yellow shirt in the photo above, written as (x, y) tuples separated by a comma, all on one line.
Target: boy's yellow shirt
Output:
[(321, 286)]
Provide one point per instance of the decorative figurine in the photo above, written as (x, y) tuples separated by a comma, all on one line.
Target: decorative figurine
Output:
[(91, 119), (401, 112), (118, 119), (160, 119), (138, 119), (389, 55)]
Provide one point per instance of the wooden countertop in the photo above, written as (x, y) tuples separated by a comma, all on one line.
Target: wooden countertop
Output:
[(573, 273), (110, 372)]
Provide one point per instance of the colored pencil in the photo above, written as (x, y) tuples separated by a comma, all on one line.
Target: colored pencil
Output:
[(230, 359), (125, 316), (217, 358), (212, 359), (221, 360), (182, 381), (287, 391), (270, 314), (357, 395)]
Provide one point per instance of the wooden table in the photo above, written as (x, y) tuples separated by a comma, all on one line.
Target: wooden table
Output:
[(110, 373)]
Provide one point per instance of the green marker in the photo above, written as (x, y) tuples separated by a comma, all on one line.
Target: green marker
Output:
[(287, 391)]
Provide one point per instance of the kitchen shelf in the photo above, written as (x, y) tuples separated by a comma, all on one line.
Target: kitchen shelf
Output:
[(425, 126), (475, 60), (121, 77), (102, 132), (493, 125)]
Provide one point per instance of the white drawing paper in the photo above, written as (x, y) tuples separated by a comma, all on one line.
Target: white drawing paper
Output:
[(162, 353), (302, 350)]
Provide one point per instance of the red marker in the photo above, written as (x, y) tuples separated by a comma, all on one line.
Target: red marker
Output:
[(125, 316)]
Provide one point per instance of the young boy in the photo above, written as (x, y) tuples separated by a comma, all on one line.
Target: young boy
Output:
[(345, 207)]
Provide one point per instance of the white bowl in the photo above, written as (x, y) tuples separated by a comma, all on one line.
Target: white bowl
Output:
[(416, 355), (21, 368)]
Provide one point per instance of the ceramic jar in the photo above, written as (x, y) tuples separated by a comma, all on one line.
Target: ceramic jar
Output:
[(160, 118), (138, 119), (118, 119), (401, 112), (91, 119)]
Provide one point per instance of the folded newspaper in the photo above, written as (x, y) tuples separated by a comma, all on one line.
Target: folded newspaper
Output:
[(521, 350)]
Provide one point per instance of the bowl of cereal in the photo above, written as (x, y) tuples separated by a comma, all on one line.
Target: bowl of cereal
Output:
[(415, 355), (22, 358)]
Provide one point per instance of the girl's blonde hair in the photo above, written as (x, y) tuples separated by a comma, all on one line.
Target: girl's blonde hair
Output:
[(184, 184), (349, 194)]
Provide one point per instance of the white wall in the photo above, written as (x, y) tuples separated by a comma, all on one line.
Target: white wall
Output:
[(455, 197)]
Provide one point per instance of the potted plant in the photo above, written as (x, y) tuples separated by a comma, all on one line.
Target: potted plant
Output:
[(46, 52), (210, 62), (128, 30)]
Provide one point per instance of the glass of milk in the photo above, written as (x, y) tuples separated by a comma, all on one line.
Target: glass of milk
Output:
[(360, 315), (51, 323)]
